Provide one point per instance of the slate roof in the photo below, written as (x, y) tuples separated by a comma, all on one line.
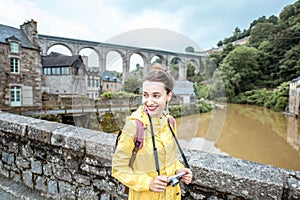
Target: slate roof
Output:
[(183, 88), (11, 32), (109, 76), (58, 60), (296, 79)]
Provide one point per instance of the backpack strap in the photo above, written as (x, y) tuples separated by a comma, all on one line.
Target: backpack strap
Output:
[(139, 134), (117, 139), (138, 141), (171, 120)]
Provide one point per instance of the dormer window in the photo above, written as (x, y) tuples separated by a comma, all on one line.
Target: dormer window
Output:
[(14, 47), (14, 44)]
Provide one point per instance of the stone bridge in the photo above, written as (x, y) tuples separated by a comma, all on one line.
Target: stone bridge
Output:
[(59, 161), (102, 50)]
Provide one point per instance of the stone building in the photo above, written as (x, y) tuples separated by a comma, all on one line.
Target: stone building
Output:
[(110, 82), (63, 75), (93, 80), (20, 65), (184, 91), (294, 97)]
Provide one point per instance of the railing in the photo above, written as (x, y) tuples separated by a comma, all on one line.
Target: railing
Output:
[(64, 109)]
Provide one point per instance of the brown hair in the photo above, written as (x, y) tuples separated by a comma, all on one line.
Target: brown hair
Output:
[(158, 74)]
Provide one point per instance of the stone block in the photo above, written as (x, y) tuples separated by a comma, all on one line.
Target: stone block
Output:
[(11, 159), (62, 173), (87, 193), (101, 145), (16, 124), (4, 156), (26, 151), (52, 187), (27, 178), (36, 167), (47, 169), (41, 184), (71, 137), (66, 190), (43, 131), (82, 179), (22, 163)]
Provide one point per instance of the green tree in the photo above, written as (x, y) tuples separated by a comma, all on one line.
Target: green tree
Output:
[(190, 72), (133, 82), (262, 32), (221, 87), (237, 33), (290, 65), (132, 85), (190, 49), (231, 80), (244, 61), (174, 70)]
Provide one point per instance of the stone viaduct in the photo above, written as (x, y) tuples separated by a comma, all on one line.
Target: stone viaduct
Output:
[(102, 49)]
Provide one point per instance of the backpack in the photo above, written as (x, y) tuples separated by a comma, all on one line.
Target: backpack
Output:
[(139, 141), (139, 138)]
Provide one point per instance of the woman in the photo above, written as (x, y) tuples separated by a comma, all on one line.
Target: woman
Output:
[(148, 176)]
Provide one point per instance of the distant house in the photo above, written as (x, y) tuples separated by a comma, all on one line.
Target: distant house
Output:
[(93, 80), (63, 75), (184, 90), (20, 71), (110, 82), (294, 97)]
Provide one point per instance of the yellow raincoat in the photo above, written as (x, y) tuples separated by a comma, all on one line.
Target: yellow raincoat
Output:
[(144, 169)]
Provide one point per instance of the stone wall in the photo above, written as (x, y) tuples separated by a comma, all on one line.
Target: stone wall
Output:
[(29, 76), (67, 162)]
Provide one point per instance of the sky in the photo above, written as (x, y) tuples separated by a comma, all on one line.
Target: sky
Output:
[(203, 22)]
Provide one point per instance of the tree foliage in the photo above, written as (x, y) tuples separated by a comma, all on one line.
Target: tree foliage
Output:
[(263, 66)]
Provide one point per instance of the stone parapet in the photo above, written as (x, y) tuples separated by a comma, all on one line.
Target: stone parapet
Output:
[(65, 162)]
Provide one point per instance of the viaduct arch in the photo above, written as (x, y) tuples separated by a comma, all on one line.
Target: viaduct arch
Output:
[(102, 49)]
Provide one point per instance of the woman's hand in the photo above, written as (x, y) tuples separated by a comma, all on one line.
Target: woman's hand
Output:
[(187, 177), (159, 184)]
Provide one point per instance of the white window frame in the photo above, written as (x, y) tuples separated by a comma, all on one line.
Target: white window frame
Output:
[(15, 65), (15, 95)]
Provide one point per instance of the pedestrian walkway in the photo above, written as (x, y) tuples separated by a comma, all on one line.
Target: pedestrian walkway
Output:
[(10, 190)]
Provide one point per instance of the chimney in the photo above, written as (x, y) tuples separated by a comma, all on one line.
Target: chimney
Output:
[(30, 30)]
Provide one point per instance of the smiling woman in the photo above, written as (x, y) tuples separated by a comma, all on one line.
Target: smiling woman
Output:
[(148, 175)]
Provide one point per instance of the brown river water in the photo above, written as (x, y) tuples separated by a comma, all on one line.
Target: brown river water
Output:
[(243, 131)]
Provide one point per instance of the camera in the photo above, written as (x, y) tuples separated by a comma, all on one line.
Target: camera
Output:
[(174, 180)]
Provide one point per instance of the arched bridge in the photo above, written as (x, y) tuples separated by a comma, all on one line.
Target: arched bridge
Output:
[(102, 50)]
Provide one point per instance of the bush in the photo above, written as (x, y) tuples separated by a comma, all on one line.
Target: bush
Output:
[(276, 100)]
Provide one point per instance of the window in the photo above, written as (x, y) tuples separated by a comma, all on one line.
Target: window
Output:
[(15, 65), (55, 71), (64, 70), (14, 47), (15, 96), (47, 71), (89, 82)]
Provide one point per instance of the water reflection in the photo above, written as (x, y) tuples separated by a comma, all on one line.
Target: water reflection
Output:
[(293, 136), (249, 132)]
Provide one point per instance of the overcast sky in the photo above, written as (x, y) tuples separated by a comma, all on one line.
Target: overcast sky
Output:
[(203, 22)]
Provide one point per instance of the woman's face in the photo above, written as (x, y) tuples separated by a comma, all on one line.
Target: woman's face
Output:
[(155, 97)]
